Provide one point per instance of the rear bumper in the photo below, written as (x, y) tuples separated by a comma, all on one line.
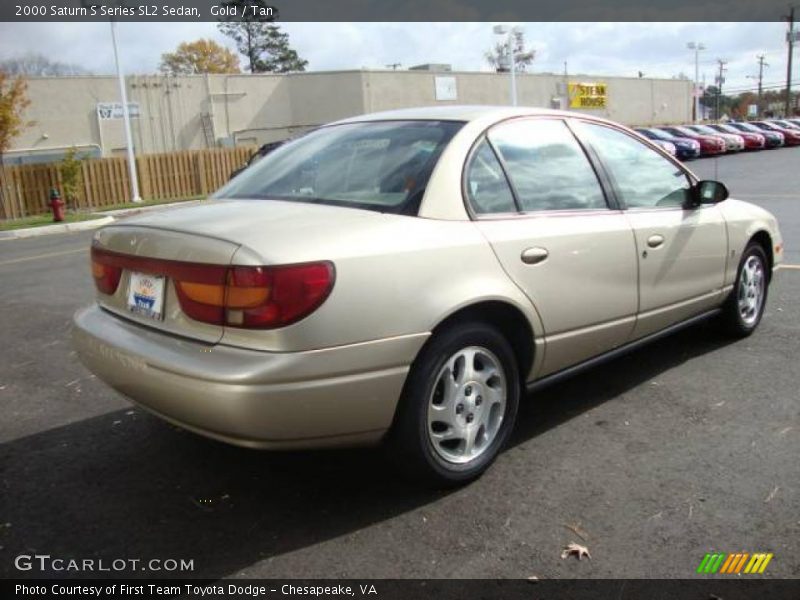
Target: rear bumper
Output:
[(337, 396)]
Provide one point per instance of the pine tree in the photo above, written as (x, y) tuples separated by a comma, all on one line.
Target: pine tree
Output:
[(259, 39)]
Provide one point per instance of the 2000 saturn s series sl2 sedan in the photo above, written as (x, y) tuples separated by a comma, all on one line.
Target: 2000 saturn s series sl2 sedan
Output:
[(404, 276)]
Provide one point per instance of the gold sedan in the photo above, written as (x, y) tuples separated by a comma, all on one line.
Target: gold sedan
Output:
[(403, 277)]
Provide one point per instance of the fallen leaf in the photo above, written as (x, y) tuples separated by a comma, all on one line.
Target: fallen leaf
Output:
[(577, 550), (772, 494)]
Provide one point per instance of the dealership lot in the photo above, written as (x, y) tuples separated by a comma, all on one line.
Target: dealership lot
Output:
[(687, 446)]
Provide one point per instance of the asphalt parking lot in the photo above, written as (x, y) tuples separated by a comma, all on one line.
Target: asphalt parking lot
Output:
[(688, 446)]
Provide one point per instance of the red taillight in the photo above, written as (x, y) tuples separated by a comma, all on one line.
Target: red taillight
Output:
[(246, 297), (105, 273), (265, 297)]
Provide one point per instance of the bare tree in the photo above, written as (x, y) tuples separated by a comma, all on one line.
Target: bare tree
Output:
[(498, 56), (38, 65)]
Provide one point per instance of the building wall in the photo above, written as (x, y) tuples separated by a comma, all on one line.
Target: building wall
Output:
[(191, 112)]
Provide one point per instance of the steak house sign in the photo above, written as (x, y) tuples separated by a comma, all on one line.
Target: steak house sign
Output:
[(587, 95)]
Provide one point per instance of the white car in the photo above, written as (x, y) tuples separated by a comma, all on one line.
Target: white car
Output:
[(733, 142)]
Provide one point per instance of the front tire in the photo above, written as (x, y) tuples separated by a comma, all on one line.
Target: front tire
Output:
[(458, 406), (744, 308)]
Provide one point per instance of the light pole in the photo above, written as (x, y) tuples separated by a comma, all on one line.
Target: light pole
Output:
[(511, 41), (790, 41), (135, 197), (697, 47)]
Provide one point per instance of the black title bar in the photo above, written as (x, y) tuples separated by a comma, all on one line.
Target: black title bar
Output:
[(398, 10)]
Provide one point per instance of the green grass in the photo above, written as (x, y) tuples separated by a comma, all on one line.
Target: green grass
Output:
[(84, 214), (42, 220), (147, 203)]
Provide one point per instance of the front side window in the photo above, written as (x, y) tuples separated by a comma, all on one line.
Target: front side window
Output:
[(377, 165), (643, 178)]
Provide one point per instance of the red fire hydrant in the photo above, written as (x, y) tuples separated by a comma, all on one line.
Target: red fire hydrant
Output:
[(57, 205)]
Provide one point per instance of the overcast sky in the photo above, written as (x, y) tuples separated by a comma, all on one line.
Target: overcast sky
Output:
[(657, 49)]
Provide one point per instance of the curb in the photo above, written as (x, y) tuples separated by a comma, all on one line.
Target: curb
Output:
[(127, 212), (111, 216), (16, 234)]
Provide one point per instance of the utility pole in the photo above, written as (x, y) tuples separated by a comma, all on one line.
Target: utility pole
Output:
[(760, 79), (761, 65), (720, 81), (790, 42)]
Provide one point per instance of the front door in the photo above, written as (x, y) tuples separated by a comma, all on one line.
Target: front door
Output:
[(681, 251)]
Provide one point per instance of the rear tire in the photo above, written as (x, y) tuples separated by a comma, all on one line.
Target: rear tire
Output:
[(458, 406), (744, 307)]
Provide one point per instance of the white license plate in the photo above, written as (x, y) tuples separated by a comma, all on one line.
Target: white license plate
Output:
[(146, 295)]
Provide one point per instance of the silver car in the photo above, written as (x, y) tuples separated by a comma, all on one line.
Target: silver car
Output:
[(403, 277), (733, 142)]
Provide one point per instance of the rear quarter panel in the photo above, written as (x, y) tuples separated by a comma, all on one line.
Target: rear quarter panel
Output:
[(400, 277)]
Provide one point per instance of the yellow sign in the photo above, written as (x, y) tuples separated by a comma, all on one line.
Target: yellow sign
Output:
[(587, 95)]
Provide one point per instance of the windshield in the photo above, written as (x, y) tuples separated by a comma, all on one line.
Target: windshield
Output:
[(378, 165), (685, 131), (705, 129)]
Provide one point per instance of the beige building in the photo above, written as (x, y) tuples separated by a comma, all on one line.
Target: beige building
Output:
[(179, 113)]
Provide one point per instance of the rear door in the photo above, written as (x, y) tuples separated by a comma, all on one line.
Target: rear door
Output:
[(681, 251), (540, 204)]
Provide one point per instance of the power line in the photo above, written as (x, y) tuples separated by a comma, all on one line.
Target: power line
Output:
[(780, 86)]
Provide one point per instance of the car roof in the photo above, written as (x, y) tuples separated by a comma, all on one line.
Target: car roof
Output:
[(458, 113)]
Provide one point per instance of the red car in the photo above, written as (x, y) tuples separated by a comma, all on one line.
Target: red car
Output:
[(709, 144), (752, 141), (791, 136)]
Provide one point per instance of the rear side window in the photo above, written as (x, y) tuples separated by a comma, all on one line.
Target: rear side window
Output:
[(487, 187), (643, 177), (547, 166)]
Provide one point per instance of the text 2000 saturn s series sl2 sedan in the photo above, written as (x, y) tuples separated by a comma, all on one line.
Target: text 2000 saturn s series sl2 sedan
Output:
[(402, 277)]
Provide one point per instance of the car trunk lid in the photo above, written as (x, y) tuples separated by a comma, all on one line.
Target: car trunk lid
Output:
[(143, 244)]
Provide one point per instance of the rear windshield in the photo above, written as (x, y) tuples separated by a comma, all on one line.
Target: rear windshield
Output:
[(378, 165)]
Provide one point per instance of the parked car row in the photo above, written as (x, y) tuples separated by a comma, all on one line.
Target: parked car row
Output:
[(692, 141)]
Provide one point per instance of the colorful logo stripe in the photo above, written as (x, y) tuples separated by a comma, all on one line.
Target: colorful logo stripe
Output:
[(734, 563)]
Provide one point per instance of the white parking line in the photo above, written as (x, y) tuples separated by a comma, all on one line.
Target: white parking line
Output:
[(793, 267)]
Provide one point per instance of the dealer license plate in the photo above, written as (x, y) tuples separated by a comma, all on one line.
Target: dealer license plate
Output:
[(146, 295)]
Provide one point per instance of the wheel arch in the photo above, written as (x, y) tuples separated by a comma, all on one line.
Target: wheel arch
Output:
[(508, 319), (764, 239)]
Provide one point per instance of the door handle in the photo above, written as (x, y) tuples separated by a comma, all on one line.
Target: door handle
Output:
[(655, 241), (532, 256)]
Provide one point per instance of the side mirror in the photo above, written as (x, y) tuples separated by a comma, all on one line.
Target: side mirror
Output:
[(709, 192)]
